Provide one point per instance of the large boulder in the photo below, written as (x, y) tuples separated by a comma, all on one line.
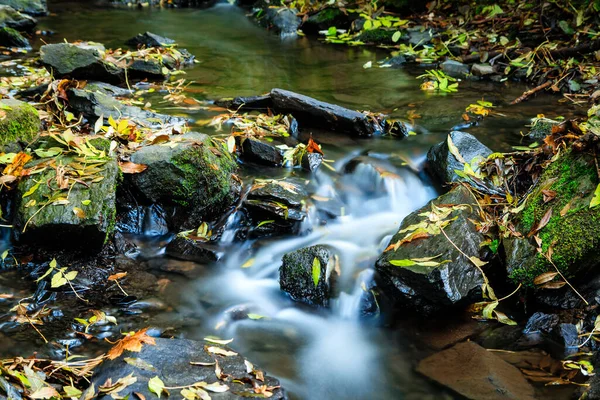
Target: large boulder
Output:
[(281, 20), (78, 213), (421, 268), (11, 18), (563, 195), (476, 374), (10, 37), (31, 7), (442, 158), (79, 61), (172, 361), (20, 122), (192, 175), (308, 275)]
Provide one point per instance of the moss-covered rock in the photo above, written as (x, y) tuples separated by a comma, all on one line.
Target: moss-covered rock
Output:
[(194, 175), (31, 7), (377, 36), (324, 19), (79, 216), (9, 17), (541, 127), (10, 37), (573, 236), (20, 122), (308, 276)]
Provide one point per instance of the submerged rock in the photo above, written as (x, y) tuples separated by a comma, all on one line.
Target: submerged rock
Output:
[(455, 69), (308, 275), (11, 18), (83, 219), (281, 20), (9, 37), (443, 163), (430, 274), (79, 61), (571, 230), (476, 374), (149, 39), (170, 360), (195, 176), (21, 122), (31, 7)]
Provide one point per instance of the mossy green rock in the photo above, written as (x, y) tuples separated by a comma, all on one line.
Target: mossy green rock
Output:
[(21, 123), (9, 17), (85, 222), (455, 279), (31, 7), (574, 236), (192, 174), (10, 37)]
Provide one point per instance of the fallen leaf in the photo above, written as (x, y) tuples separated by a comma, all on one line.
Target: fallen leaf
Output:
[(117, 276), (132, 168), (545, 277), (156, 385), (220, 351), (540, 225), (313, 147), (133, 341)]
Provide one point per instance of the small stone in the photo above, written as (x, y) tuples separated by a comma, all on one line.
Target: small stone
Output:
[(257, 151), (455, 69), (482, 69)]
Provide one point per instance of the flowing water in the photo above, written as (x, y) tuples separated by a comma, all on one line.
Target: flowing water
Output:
[(317, 354)]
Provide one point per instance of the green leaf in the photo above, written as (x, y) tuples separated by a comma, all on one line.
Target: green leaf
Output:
[(261, 223), (396, 36), (71, 391), (86, 202), (402, 263), (58, 280), (596, 199), (71, 275), (256, 316), (488, 311), (156, 385), (316, 271), (32, 189), (51, 152)]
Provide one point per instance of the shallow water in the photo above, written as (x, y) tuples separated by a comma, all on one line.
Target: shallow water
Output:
[(326, 354)]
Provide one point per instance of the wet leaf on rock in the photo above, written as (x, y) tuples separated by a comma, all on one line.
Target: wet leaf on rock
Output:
[(133, 341), (220, 351), (139, 363), (218, 341), (156, 385), (129, 167), (316, 271)]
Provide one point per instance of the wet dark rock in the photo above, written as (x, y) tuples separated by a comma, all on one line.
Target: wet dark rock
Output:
[(255, 150), (170, 360), (442, 163), (61, 226), (251, 103), (419, 36), (540, 322), (482, 69), (31, 7), (277, 207), (9, 37), (376, 36), (542, 127), (311, 161), (396, 62), (281, 20), (21, 123), (97, 100), (194, 176), (11, 18), (476, 374), (149, 39), (314, 113), (81, 61), (455, 69), (10, 391), (324, 19), (299, 271), (436, 287), (193, 250)]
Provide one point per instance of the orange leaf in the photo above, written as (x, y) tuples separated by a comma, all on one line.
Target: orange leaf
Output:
[(313, 147), (132, 168), (133, 341), (117, 276)]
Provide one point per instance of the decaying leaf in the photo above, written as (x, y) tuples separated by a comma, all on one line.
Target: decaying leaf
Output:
[(220, 351), (129, 167), (545, 277), (133, 341)]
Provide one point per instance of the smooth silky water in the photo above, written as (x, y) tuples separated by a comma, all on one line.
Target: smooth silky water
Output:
[(317, 354)]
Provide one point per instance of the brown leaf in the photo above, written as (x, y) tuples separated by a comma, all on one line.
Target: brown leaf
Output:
[(313, 147), (540, 225), (132, 168), (132, 342), (47, 392), (565, 209), (545, 277), (548, 195), (553, 285), (117, 276)]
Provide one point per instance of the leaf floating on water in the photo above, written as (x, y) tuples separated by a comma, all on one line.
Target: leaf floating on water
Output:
[(156, 385), (248, 263), (316, 271), (545, 277), (220, 351), (132, 168)]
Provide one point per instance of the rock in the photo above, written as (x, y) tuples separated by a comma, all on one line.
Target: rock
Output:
[(540, 322), (442, 163), (324, 19), (281, 20), (300, 271), (187, 249), (541, 127), (252, 103), (149, 39), (257, 151), (170, 360), (277, 207), (72, 225), (31, 7), (482, 70), (314, 113), (419, 36), (11, 18), (377, 36), (396, 62), (311, 161), (12, 38), (97, 100), (194, 176), (455, 69), (79, 61), (476, 374), (455, 280), (21, 122), (573, 236)]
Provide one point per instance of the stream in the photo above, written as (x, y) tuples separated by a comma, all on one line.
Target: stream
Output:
[(334, 353)]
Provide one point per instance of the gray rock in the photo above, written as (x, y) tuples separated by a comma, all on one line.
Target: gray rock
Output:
[(31, 7), (281, 20), (419, 36), (170, 360), (455, 69), (476, 374), (254, 103), (482, 69), (442, 163), (311, 161), (299, 271), (149, 39), (11, 18), (396, 62), (10, 37), (455, 280)]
